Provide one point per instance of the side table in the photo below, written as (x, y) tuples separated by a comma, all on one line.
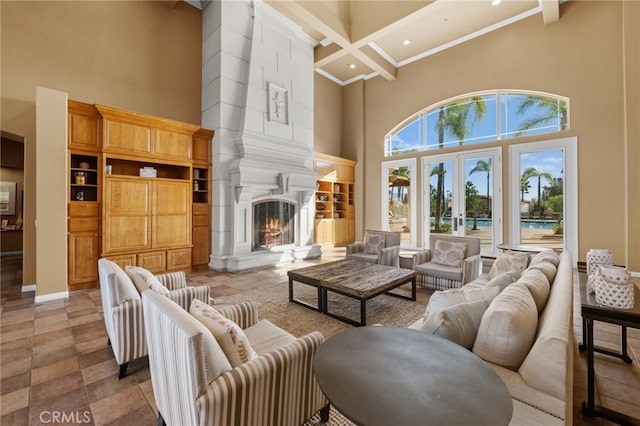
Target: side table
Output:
[(592, 311)]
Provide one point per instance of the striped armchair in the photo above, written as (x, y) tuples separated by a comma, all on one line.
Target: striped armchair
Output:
[(441, 277), (194, 383), (122, 306), (388, 254)]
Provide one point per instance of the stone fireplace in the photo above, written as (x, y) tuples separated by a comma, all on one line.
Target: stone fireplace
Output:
[(257, 95)]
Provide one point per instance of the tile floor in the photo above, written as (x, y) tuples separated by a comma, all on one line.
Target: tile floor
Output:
[(56, 366)]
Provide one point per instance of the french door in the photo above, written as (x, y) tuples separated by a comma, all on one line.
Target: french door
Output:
[(462, 196)]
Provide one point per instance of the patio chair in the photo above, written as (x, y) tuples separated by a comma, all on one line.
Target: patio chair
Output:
[(449, 262)]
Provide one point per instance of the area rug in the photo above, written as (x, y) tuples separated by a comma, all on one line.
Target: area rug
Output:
[(273, 305)]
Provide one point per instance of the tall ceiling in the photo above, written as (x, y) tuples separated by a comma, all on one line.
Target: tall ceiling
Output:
[(361, 39)]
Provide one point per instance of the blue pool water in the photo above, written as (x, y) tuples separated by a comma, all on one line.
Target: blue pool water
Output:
[(526, 224)]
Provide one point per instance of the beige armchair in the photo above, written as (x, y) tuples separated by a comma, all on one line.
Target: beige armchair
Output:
[(451, 263), (193, 380), (381, 247), (122, 305)]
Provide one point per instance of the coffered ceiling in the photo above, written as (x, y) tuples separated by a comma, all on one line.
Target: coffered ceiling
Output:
[(361, 39)]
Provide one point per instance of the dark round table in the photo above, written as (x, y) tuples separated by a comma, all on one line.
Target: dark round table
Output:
[(397, 376)]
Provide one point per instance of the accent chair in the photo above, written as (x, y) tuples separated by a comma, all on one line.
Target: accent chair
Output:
[(268, 381), (449, 262), (381, 247)]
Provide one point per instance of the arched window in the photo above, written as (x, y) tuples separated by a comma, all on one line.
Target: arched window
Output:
[(477, 118)]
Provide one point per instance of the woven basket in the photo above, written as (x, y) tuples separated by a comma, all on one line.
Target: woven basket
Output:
[(614, 287), (595, 259)]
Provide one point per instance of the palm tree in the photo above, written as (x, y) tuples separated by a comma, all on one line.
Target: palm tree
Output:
[(552, 109), (524, 187), (532, 172), (484, 166), (454, 118)]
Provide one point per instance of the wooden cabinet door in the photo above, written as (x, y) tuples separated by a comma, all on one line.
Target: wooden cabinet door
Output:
[(170, 145), (324, 231), (83, 132), (171, 225), (201, 246), (127, 219), (126, 138), (84, 249), (341, 231)]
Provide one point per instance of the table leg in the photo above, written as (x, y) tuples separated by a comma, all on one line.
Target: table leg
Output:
[(589, 407), (625, 353), (583, 346), (363, 312)]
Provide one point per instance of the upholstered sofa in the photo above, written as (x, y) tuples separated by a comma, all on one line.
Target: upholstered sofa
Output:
[(122, 305), (206, 371), (451, 271), (525, 333), (382, 247)]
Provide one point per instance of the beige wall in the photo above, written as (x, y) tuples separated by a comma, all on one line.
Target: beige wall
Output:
[(580, 57), (327, 122), (142, 56)]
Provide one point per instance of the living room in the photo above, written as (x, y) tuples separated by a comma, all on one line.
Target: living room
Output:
[(589, 56)]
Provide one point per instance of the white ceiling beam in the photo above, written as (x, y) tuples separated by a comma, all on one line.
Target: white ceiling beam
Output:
[(550, 11)]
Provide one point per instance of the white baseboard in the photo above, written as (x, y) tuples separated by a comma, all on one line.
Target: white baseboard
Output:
[(52, 296), (27, 288)]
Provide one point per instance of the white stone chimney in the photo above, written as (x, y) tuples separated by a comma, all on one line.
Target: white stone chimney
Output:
[(257, 94)]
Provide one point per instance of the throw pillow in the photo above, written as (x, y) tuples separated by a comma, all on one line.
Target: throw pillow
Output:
[(508, 328), (448, 253), (445, 298), (508, 262), (145, 280), (229, 335), (546, 256), (538, 286), (373, 243), (502, 281), (458, 323)]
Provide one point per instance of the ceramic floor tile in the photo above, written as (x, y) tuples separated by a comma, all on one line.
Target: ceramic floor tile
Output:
[(60, 385), (108, 409), (16, 367), (15, 400), (109, 386), (73, 404), (143, 415), (99, 371), (14, 383), (104, 353), (57, 369), (16, 418)]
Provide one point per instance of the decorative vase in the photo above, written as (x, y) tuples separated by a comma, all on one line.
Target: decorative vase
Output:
[(595, 259), (613, 287)]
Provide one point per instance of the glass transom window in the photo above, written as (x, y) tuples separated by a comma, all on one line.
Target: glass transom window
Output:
[(479, 118)]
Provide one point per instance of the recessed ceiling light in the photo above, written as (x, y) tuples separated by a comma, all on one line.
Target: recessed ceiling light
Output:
[(352, 66), (495, 2), (406, 42)]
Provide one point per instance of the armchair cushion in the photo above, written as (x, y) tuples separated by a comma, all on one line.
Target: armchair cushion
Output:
[(265, 337), (373, 243), (232, 339), (452, 273), (449, 253)]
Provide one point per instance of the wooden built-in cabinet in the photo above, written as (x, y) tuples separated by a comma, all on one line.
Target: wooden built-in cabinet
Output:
[(133, 218), (334, 202)]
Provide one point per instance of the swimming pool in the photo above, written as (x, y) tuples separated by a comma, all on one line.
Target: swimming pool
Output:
[(524, 223)]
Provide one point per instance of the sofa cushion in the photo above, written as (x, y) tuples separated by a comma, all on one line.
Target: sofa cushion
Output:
[(229, 335), (145, 280), (508, 262), (508, 327), (449, 253), (265, 337), (502, 280), (538, 286), (547, 268), (445, 298), (447, 272), (373, 243), (545, 256), (458, 323)]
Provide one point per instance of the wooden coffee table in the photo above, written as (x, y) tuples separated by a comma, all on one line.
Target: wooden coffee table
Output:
[(397, 376), (354, 279)]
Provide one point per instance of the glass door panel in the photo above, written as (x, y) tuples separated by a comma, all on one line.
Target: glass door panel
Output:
[(399, 201), (441, 196), (479, 200)]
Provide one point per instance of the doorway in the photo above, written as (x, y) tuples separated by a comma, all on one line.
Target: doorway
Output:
[(464, 196)]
